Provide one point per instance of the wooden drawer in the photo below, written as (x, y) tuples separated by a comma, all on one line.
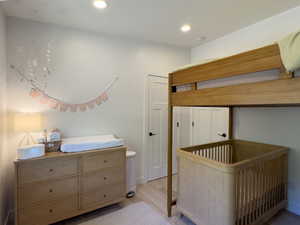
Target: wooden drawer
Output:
[(47, 169), (46, 191), (48, 213), (94, 181), (108, 194), (103, 160)]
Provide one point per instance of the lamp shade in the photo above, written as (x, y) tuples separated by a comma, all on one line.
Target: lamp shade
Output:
[(28, 122)]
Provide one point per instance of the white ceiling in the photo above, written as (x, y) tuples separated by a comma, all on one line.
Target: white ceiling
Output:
[(153, 20)]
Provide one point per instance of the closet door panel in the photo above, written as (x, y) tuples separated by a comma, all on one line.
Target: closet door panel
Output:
[(201, 126), (185, 126), (219, 124), (176, 135)]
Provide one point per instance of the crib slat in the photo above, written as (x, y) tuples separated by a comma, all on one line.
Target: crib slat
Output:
[(268, 191), (226, 154), (278, 186), (220, 150), (280, 197), (237, 197), (265, 191), (252, 197), (244, 197), (261, 179), (255, 191), (274, 189), (222, 154), (258, 192), (248, 195), (241, 196)]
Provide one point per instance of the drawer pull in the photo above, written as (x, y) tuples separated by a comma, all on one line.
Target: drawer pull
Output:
[(50, 211), (104, 196), (51, 170), (50, 190), (105, 178), (105, 161)]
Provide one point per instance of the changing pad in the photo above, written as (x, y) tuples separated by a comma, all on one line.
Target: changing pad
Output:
[(80, 144)]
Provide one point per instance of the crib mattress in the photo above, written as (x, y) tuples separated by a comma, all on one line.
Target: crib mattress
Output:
[(80, 144)]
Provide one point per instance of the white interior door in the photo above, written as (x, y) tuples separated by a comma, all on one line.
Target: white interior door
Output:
[(158, 127)]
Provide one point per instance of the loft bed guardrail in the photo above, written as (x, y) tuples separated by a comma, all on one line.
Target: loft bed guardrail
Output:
[(284, 91)]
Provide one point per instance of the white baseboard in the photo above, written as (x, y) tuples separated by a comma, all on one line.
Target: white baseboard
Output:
[(294, 207)]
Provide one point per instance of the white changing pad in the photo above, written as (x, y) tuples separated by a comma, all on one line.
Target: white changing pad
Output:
[(80, 144)]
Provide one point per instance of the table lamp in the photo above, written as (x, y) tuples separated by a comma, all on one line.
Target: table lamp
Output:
[(27, 123)]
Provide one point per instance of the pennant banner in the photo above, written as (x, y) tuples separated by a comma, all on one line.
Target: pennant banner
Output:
[(62, 106)]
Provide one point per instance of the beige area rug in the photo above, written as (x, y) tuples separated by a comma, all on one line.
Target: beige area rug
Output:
[(134, 214)]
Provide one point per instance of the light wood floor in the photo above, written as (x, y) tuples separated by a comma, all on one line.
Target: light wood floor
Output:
[(155, 194)]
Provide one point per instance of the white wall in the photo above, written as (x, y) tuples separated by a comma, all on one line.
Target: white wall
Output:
[(84, 63), (3, 162), (271, 125)]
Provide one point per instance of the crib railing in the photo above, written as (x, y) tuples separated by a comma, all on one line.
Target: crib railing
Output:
[(222, 153), (258, 172), (260, 188)]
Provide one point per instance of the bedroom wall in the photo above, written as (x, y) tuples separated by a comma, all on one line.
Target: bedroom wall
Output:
[(83, 64), (3, 155), (270, 125)]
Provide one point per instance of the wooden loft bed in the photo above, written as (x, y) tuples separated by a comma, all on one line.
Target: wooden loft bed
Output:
[(284, 91)]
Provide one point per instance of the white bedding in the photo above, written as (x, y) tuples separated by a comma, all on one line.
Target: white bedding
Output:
[(80, 144), (204, 61)]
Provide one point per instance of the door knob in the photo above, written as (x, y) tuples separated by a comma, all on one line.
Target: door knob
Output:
[(222, 135), (151, 134)]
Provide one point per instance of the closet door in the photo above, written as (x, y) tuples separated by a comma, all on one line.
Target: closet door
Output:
[(181, 131), (209, 125), (185, 126), (201, 126), (219, 124)]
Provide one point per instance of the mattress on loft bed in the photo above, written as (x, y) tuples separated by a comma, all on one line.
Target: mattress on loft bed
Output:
[(80, 144)]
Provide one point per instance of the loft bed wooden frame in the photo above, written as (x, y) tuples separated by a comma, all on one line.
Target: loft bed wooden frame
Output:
[(284, 91)]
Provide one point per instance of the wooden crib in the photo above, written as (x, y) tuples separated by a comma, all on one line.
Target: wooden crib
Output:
[(232, 182)]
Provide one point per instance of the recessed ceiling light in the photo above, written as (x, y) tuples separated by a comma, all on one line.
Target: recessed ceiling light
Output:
[(186, 28), (100, 4)]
